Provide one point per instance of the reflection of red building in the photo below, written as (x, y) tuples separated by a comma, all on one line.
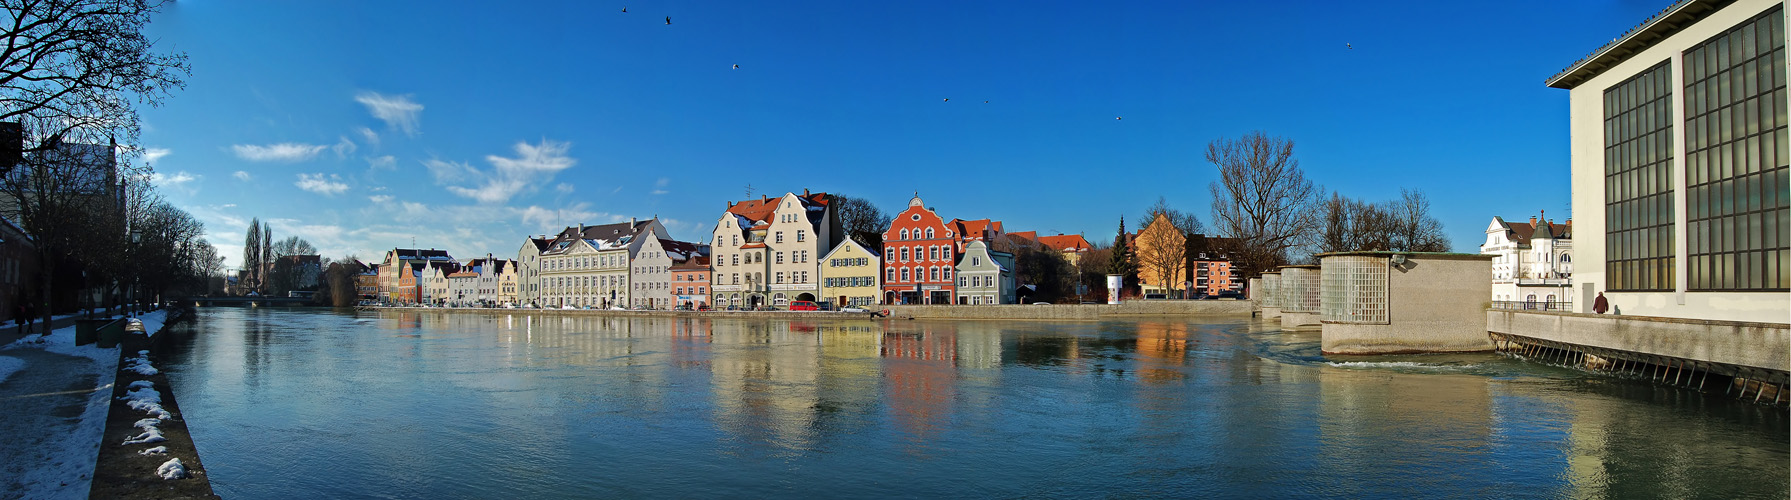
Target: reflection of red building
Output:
[(920, 377), (919, 252)]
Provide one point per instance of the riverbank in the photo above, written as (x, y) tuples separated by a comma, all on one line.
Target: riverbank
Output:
[(146, 451), (1045, 312)]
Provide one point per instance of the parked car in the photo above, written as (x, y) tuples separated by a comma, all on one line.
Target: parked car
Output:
[(803, 305)]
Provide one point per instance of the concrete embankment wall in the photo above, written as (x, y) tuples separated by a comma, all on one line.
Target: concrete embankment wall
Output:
[(997, 312), (1764, 346), (123, 471)]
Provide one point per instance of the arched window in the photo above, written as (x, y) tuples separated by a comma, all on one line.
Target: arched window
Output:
[(904, 234), (929, 233)]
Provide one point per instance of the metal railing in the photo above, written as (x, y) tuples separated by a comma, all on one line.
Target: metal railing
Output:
[(1531, 305)]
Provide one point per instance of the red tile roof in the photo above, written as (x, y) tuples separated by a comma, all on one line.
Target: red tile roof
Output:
[(1067, 243), (762, 208)]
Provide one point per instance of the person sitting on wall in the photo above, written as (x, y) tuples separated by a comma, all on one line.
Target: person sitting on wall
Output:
[(1600, 305)]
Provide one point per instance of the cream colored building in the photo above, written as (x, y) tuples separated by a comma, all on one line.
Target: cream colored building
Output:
[(766, 252), (849, 275), (1679, 155), (588, 266)]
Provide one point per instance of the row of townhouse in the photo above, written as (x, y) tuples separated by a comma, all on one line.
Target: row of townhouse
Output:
[(415, 276), (620, 265), (769, 252)]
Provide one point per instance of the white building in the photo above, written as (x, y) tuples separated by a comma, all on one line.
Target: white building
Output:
[(985, 276), (1679, 155), (651, 269), (528, 270), (1532, 262), (588, 266), (767, 251)]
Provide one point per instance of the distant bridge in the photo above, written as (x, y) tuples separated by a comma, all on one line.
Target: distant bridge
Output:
[(247, 301)]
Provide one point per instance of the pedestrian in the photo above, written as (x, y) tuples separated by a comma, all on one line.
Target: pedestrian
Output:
[(18, 316), (1600, 305), (31, 319)]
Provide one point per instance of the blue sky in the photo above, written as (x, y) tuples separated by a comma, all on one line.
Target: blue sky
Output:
[(467, 126)]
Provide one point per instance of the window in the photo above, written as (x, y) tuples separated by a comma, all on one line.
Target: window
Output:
[(780, 257), (780, 236), (780, 278), (933, 253), (1736, 160), (736, 278), (947, 272), (934, 275), (976, 261), (801, 235), (889, 274), (961, 281), (929, 233), (904, 274), (1638, 170), (735, 239), (904, 254)]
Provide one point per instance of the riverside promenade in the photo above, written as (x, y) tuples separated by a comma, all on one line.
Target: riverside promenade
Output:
[(58, 396)]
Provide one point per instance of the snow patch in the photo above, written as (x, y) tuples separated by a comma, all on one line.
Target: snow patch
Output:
[(159, 450), (172, 469), (140, 364), (10, 365), (147, 400), (141, 384)]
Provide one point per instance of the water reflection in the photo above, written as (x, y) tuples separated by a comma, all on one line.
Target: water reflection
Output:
[(424, 405)]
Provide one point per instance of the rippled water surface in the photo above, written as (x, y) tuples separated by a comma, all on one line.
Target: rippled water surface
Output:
[(293, 403)]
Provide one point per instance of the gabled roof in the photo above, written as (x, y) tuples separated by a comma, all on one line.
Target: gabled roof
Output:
[(601, 237), (760, 210), (1066, 243), (967, 228), (700, 263), (1522, 232), (680, 251), (420, 254)]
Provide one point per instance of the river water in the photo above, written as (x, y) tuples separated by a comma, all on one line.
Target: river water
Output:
[(315, 404)]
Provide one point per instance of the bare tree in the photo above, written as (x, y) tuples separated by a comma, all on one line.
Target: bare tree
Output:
[(1262, 199), (1413, 227), (862, 221), (1161, 250), (72, 68), (293, 245), (251, 276), (1403, 225), (1187, 222)]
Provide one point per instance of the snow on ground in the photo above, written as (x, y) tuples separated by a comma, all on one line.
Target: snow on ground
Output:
[(8, 366), (56, 394)]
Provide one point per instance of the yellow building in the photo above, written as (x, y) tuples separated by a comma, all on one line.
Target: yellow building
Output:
[(849, 275), (1160, 250)]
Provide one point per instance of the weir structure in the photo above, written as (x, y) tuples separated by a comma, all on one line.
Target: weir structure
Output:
[(1749, 361)]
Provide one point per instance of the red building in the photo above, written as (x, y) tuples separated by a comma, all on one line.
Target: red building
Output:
[(919, 254)]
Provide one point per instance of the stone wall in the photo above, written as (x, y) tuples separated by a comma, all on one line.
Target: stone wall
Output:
[(1436, 303), (1078, 311), (1756, 345)]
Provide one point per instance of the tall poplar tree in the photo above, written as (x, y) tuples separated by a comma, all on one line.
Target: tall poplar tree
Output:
[(252, 256), (1120, 262)]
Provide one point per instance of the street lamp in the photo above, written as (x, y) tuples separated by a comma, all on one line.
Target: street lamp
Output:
[(136, 244)]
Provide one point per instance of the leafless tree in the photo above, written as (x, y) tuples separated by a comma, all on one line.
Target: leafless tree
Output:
[(1262, 199), (1186, 222), (862, 221), (1401, 225), (1413, 228), (1161, 250), (74, 69), (293, 245)]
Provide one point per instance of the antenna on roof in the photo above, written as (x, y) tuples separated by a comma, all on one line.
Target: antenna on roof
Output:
[(749, 190)]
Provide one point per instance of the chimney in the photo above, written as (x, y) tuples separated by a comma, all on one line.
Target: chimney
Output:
[(581, 230), (804, 192), (631, 222), (1532, 220)]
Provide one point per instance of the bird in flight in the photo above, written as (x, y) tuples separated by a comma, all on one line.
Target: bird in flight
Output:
[(985, 102), (1119, 118), (1348, 46), (948, 99), (624, 9), (736, 66), (668, 20)]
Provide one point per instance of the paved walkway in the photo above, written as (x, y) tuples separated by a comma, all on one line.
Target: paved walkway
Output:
[(53, 401)]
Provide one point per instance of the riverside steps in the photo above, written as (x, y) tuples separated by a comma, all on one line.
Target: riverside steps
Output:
[(1750, 361)]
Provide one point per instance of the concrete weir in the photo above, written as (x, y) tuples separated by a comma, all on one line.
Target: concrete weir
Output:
[(1749, 361)]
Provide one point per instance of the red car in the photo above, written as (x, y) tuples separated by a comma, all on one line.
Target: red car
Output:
[(803, 305)]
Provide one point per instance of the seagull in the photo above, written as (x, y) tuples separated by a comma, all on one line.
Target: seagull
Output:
[(1119, 118), (736, 66), (668, 20), (1348, 46), (948, 99), (985, 102), (624, 10)]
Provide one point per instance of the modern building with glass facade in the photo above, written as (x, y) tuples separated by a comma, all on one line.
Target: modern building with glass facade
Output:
[(1680, 183)]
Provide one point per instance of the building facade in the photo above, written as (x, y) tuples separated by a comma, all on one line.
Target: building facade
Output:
[(849, 275), (985, 276), (394, 267), (919, 256), (588, 266), (1210, 260), (1532, 261), (765, 251), (1161, 253), (652, 284), (528, 270), (690, 283), (1679, 165)]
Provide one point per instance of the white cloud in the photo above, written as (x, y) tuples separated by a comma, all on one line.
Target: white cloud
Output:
[(534, 164), (152, 154), (398, 112), (241, 175), (285, 151), (387, 162), (175, 180), (380, 198), (318, 183), (368, 136), (659, 186), (563, 187), (549, 220), (343, 147)]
